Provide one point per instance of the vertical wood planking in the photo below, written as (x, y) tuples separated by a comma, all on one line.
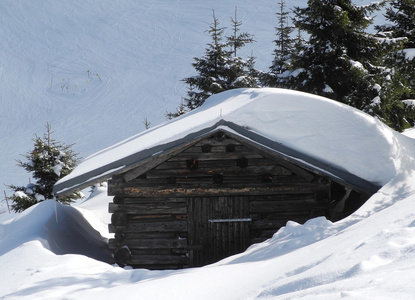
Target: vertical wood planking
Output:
[(160, 199), (218, 239)]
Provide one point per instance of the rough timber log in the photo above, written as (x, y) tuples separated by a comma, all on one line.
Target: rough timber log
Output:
[(204, 201), (173, 191)]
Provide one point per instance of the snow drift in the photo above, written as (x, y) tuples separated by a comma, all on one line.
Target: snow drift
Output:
[(369, 255), (60, 229)]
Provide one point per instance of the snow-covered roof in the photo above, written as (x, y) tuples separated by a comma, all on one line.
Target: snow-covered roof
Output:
[(323, 134)]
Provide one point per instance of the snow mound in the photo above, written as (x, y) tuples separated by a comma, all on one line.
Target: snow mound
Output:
[(60, 228), (368, 255)]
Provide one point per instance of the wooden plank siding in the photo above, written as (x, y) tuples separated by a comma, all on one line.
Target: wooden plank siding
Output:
[(175, 214), (208, 228)]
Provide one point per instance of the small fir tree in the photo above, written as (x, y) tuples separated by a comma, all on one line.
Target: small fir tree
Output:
[(402, 14), (284, 50), (48, 162), (399, 73), (242, 72), (146, 123), (211, 69), (341, 60), (238, 40), (220, 68)]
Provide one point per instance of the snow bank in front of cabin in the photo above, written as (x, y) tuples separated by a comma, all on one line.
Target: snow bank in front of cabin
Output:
[(369, 255), (324, 129), (59, 228), (95, 209)]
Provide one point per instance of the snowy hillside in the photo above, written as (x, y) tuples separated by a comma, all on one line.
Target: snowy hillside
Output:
[(96, 70), (369, 255)]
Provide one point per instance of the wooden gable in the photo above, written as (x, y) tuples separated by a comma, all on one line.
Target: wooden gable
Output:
[(207, 200)]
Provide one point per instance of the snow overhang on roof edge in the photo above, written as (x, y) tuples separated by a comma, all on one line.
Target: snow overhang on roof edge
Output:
[(129, 162)]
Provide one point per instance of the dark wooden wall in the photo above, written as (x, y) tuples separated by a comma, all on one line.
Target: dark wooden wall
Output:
[(208, 201)]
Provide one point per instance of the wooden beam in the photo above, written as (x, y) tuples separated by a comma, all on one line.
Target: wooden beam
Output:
[(172, 226), (157, 260), (219, 190), (157, 243), (149, 208)]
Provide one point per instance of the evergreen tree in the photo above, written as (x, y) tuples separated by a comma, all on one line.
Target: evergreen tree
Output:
[(402, 14), (398, 86), (242, 72), (220, 68), (238, 40), (211, 69), (399, 79), (48, 162), (340, 60), (283, 52)]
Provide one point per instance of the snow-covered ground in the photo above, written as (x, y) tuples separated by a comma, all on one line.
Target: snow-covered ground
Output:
[(94, 71), (370, 255), (58, 252)]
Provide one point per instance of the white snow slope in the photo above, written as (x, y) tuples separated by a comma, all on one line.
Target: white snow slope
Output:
[(50, 251), (369, 255), (96, 69)]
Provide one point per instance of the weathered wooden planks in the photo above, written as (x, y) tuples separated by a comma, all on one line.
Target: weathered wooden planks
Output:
[(163, 210), (218, 239), (195, 190)]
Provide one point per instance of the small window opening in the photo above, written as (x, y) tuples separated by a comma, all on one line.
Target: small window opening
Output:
[(242, 162), (206, 148), (218, 178), (266, 178), (230, 148), (192, 164)]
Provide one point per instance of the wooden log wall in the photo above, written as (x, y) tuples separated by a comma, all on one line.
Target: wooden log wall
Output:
[(171, 216), (155, 231)]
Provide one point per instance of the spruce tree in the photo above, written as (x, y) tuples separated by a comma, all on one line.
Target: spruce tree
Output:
[(398, 84), (220, 68), (284, 47), (399, 80), (238, 40), (48, 162), (341, 59), (211, 69), (242, 72), (402, 14)]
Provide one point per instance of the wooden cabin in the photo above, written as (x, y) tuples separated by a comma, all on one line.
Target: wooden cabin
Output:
[(213, 197), (193, 197)]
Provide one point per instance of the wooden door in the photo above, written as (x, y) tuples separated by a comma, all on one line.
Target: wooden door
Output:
[(218, 227)]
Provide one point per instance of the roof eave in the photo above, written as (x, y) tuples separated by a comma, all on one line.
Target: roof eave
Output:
[(235, 131)]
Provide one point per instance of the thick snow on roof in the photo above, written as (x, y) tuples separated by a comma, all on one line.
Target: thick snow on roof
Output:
[(323, 129)]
